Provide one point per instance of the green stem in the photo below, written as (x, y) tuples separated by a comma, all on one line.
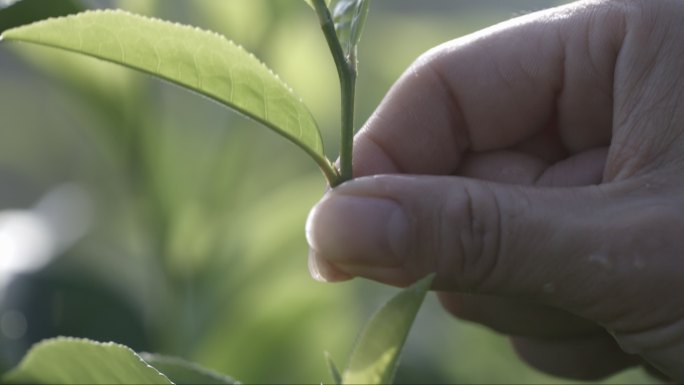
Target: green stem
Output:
[(346, 70), (348, 89)]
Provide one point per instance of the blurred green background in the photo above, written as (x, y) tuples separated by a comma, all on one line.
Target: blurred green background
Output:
[(134, 211)]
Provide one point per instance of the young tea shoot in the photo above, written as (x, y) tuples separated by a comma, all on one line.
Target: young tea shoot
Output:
[(213, 66)]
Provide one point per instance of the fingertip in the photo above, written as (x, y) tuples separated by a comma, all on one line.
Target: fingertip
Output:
[(322, 271), (319, 268), (354, 226)]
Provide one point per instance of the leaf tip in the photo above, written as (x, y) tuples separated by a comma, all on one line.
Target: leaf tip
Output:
[(334, 371)]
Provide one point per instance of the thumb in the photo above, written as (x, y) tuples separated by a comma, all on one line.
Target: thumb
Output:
[(479, 237), (609, 253)]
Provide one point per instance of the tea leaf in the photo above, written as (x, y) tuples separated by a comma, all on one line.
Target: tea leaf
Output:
[(183, 372), (376, 355), (197, 60), (334, 372), (310, 2), (79, 361), (350, 18), (20, 12)]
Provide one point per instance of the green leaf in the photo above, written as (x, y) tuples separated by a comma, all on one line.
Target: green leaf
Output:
[(79, 361), (349, 17), (198, 60), (334, 372), (15, 13), (183, 372), (376, 355), (310, 2)]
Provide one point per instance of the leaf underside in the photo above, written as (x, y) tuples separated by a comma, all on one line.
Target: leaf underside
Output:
[(78, 361), (376, 355), (198, 60)]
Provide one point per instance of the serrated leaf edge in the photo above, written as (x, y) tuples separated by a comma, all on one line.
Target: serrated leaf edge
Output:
[(60, 339), (317, 153), (162, 21)]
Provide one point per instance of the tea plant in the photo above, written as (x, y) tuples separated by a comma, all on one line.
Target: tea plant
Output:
[(215, 67)]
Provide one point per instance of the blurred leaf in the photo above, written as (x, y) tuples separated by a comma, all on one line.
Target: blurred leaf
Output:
[(349, 17), (198, 60), (16, 13), (376, 355), (7, 3), (334, 372), (79, 361), (310, 2), (248, 22), (288, 327), (183, 372), (141, 7)]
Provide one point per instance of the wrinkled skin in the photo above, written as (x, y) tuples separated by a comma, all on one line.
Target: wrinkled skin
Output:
[(538, 167)]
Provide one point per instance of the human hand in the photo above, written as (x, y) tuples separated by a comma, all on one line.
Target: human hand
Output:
[(537, 166)]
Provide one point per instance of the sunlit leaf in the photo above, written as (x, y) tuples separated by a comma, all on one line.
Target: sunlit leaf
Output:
[(197, 60), (376, 355), (183, 372), (79, 361), (334, 372), (350, 18), (14, 13)]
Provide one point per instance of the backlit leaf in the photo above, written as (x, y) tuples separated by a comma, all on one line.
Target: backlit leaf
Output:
[(79, 361), (349, 17), (376, 355), (197, 60)]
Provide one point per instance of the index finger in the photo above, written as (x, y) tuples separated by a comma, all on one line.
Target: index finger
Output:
[(551, 70)]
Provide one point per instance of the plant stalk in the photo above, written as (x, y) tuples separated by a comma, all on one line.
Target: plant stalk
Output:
[(346, 70)]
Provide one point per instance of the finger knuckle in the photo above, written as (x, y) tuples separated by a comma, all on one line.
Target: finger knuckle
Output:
[(470, 235)]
